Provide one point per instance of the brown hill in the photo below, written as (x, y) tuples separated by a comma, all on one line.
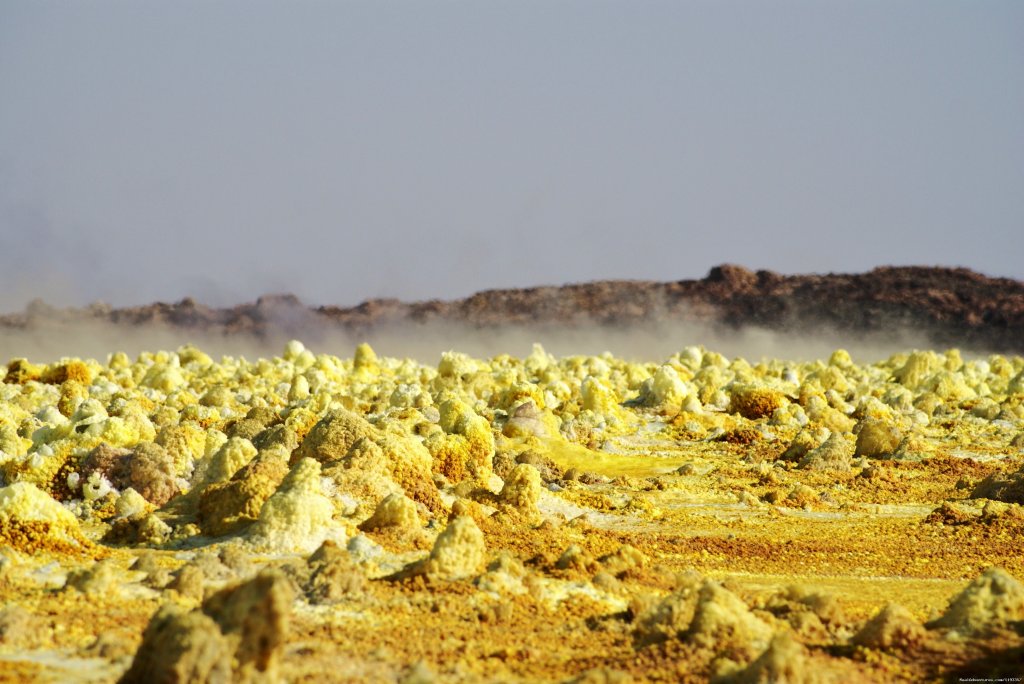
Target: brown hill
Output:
[(948, 306)]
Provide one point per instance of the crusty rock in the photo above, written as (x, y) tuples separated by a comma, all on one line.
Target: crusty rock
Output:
[(802, 443), (333, 575), (548, 469), (466, 445), (297, 516), (147, 468), (189, 581), (409, 466), (833, 455), (276, 436), (395, 510), (142, 528), (877, 438), (179, 647), (522, 489), (601, 675), (233, 455), (254, 616), (31, 522), (152, 473), (575, 557), (111, 462), (20, 371), (459, 552), (1006, 487), (755, 402), (893, 627), (785, 661), (525, 420), (102, 578), (665, 390), (722, 621), (992, 600), (624, 559), (333, 436), (226, 507), (58, 373), (185, 443), (919, 365), (235, 637), (20, 628), (670, 617), (246, 428)]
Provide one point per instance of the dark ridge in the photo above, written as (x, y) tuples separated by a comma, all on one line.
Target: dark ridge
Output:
[(949, 306)]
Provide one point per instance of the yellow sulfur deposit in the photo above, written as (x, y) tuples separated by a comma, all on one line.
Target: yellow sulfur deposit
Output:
[(755, 402), (522, 489), (576, 518), (892, 627), (226, 507), (785, 660), (723, 621), (297, 517), (394, 510), (31, 521), (993, 600), (459, 551)]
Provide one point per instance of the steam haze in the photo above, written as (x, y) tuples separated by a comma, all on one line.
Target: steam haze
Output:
[(652, 342), (342, 151)]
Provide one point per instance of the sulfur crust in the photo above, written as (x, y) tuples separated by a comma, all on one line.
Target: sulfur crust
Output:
[(31, 521), (536, 470), (459, 552), (522, 489), (296, 517), (992, 600)]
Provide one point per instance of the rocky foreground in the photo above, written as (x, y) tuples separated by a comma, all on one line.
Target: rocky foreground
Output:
[(584, 519), (949, 307)]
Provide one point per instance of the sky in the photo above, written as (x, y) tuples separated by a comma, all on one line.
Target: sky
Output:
[(349, 150)]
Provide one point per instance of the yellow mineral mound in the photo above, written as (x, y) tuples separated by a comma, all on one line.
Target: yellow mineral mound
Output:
[(722, 621), (755, 402), (394, 510), (297, 517), (459, 551), (785, 661), (892, 627), (32, 522), (522, 489), (993, 600), (237, 635)]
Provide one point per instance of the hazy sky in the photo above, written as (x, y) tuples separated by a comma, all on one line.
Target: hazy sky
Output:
[(349, 150)]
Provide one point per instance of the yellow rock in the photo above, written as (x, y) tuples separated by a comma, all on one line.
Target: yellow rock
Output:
[(995, 599), (522, 489), (31, 521), (395, 510), (459, 551), (755, 402), (721, 620), (877, 438), (228, 460), (297, 517)]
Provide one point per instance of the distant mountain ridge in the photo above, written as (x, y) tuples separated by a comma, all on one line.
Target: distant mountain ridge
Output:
[(950, 306)]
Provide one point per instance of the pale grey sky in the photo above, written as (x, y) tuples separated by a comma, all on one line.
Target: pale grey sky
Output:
[(346, 150)]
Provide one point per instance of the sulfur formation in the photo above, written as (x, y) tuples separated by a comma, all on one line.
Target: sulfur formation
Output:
[(555, 518)]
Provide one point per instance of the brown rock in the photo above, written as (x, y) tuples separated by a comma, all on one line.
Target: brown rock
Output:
[(235, 637), (226, 507), (893, 627)]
